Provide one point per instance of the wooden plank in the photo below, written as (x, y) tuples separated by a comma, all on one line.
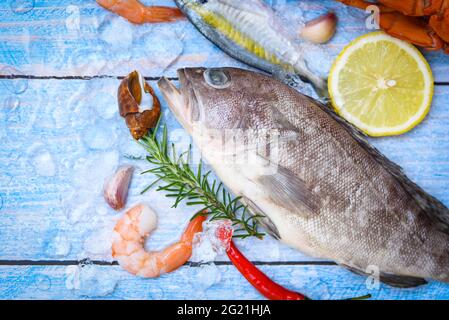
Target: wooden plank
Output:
[(80, 38), (60, 138), (80, 134), (207, 282)]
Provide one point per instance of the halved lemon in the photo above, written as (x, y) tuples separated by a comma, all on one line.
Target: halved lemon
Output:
[(382, 85)]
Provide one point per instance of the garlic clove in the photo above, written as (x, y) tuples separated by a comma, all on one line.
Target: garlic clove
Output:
[(321, 29), (138, 104), (115, 189)]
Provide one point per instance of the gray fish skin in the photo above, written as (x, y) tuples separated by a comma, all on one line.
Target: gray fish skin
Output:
[(255, 20), (332, 196)]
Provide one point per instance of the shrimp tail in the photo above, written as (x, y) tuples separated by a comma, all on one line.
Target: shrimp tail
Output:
[(136, 12), (195, 226), (162, 14)]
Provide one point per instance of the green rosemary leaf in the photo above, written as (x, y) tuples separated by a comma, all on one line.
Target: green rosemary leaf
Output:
[(183, 184), (151, 185), (194, 203)]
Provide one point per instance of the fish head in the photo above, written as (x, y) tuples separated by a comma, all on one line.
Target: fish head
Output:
[(208, 98), (222, 107)]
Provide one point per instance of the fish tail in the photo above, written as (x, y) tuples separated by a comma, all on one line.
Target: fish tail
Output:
[(318, 83), (320, 86), (296, 80)]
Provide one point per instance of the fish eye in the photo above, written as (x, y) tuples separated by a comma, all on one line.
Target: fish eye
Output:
[(217, 78)]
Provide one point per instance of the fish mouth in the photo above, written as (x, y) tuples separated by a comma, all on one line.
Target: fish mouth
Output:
[(185, 84), (182, 102)]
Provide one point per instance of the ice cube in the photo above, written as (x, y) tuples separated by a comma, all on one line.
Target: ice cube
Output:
[(101, 136), (88, 280), (44, 164), (78, 206), (117, 33), (105, 103), (208, 275), (203, 250), (98, 244), (58, 247), (207, 245)]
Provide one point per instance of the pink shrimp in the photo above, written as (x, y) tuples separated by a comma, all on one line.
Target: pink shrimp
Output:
[(128, 244), (136, 12)]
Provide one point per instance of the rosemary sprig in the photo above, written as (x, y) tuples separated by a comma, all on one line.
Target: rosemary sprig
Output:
[(183, 184)]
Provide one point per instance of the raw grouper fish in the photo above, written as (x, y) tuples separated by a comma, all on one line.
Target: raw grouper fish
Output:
[(319, 185)]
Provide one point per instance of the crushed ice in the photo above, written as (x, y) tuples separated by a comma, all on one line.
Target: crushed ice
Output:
[(207, 275), (58, 247), (206, 245), (44, 164), (98, 243), (88, 280)]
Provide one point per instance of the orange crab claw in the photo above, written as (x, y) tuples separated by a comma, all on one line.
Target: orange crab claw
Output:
[(417, 8), (411, 29), (440, 23), (407, 7), (361, 4)]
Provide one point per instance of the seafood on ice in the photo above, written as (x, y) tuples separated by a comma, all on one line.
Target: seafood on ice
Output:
[(318, 184)]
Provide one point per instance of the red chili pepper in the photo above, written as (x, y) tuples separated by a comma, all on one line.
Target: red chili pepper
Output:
[(267, 287)]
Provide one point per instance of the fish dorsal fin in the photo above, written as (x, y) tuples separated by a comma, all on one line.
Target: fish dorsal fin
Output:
[(437, 212), (290, 192), (264, 220)]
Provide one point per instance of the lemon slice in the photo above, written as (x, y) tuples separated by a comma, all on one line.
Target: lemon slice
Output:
[(382, 85)]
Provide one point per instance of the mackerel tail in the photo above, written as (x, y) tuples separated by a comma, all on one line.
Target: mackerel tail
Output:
[(250, 32)]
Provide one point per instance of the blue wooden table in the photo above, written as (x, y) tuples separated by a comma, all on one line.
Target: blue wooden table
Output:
[(60, 137)]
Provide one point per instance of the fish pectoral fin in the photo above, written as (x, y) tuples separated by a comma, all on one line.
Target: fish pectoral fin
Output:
[(390, 279), (290, 192), (264, 220)]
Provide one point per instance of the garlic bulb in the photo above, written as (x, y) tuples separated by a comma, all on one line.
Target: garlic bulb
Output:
[(115, 189), (321, 29)]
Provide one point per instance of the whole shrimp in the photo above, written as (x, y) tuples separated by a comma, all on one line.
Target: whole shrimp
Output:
[(138, 13), (128, 244)]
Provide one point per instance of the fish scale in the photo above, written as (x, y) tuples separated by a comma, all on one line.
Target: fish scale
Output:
[(332, 196)]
